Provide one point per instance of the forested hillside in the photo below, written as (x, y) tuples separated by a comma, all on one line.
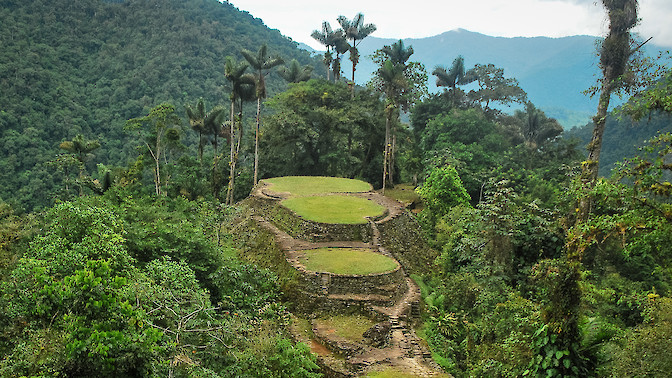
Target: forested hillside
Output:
[(129, 248), (85, 67), (623, 137)]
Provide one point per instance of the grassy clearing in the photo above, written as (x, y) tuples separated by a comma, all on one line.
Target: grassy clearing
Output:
[(334, 209), (404, 193), (347, 261), (349, 327), (311, 185)]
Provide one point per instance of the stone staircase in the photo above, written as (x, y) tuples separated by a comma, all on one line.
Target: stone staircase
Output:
[(391, 298)]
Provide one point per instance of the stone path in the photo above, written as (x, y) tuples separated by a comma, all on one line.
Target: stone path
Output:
[(403, 350)]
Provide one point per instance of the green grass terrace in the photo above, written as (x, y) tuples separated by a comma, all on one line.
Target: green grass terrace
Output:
[(339, 209), (351, 261), (312, 185)]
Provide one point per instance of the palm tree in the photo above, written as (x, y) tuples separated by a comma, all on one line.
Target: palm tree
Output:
[(394, 84), (355, 30), (341, 46), (397, 53), (295, 73), (196, 118), (261, 62), (81, 149), (206, 124), (241, 84), (213, 124), (327, 38), (454, 76), (537, 128)]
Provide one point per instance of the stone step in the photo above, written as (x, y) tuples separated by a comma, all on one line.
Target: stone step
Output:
[(415, 309), (374, 299)]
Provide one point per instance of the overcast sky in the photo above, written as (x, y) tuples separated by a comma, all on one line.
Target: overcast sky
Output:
[(425, 18)]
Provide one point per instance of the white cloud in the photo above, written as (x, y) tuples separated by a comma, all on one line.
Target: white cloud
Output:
[(423, 18), (656, 16)]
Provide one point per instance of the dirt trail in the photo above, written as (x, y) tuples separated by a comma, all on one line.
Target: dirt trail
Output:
[(404, 350)]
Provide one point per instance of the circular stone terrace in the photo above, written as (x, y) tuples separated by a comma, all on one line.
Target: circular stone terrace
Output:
[(345, 273), (331, 200), (304, 195)]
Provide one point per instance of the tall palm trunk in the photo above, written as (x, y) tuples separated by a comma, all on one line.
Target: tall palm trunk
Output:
[(256, 143), (327, 62), (216, 186), (239, 121), (261, 62), (157, 166), (386, 155), (232, 167), (354, 57), (393, 149)]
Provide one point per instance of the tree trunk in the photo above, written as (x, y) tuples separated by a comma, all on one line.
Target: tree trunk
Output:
[(590, 168), (238, 121), (157, 162), (157, 178), (256, 143), (614, 56), (215, 178), (393, 148), (200, 147), (386, 154), (327, 62), (353, 57), (229, 192)]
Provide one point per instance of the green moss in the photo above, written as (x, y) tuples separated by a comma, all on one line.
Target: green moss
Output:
[(347, 261), (341, 209), (311, 185)]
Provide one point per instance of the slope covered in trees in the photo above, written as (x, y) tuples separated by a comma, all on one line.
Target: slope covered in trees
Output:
[(85, 67), (135, 273), (623, 137), (117, 287)]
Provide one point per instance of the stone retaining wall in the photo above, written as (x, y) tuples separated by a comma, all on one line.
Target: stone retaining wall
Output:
[(315, 232), (402, 237), (312, 304), (328, 283)]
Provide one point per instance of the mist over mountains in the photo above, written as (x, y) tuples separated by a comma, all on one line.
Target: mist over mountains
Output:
[(553, 71)]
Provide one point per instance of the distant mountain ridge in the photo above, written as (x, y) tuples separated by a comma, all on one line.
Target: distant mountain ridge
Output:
[(553, 71)]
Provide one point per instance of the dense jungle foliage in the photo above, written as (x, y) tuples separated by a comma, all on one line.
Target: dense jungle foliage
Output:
[(115, 259), (118, 286), (85, 67)]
